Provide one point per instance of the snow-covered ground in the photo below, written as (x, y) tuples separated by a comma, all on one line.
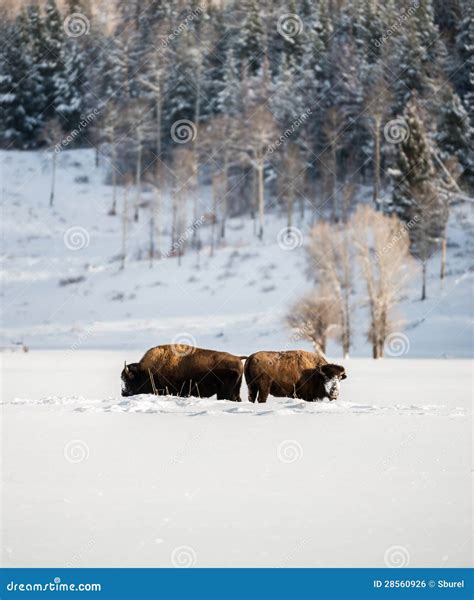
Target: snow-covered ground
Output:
[(63, 287), (380, 477)]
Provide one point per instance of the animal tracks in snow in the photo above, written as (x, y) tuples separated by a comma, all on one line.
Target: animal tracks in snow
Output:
[(193, 407)]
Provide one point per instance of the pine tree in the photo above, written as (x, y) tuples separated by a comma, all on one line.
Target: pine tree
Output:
[(417, 199), (252, 37), (53, 69), (455, 136), (464, 76), (180, 84), (21, 100), (229, 99), (71, 101)]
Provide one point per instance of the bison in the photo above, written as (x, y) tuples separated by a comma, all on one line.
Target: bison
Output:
[(182, 370), (294, 373)]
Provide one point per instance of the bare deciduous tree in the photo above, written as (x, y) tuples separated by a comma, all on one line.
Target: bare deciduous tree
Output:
[(315, 318), (330, 265), (289, 178), (184, 166), (382, 247), (52, 134), (109, 137), (377, 103), (332, 127)]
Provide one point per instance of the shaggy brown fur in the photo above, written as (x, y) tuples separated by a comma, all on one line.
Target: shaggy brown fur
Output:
[(182, 370), (294, 374)]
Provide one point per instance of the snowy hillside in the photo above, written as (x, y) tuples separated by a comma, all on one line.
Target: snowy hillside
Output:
[(63, 287)]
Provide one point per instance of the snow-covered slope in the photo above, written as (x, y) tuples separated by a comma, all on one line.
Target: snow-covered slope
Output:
[(63, 287)]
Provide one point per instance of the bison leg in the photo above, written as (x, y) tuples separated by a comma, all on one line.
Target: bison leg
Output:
[(263, 390), (253, 392), (236, 393), (228, 385)]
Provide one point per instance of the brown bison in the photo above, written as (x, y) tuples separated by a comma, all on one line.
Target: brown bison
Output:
[(182, 370), (294, 374)]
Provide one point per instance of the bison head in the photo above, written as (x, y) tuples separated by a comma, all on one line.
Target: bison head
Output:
[(131, 380), (330, 377)]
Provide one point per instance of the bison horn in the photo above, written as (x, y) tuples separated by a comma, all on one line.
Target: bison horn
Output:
[(126, 368)]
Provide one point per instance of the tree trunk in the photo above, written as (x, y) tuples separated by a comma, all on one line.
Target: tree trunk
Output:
[(423, 281), (225, 188), (376, 182), (124, 228), (290, 203), (158, 219), (443, 254), (138, 181), (53, 179), (174, 222), (151, 249), (113, 210), (333, 179), (261, 198), (214, 209)]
